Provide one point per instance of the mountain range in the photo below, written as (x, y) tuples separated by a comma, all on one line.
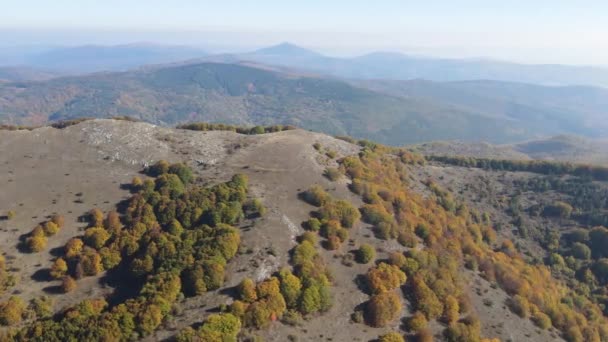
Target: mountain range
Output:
[(278, 85), (398, 66), (96, 58)]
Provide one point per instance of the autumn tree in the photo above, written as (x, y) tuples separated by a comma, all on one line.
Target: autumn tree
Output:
[(425, 299), (451, 310), (385, 277), (96, 237), (383, 308), (392, 337), (417, 322), (12, 311), (247, 290)]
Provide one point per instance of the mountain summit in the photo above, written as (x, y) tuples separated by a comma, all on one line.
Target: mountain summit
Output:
[(288, 50)]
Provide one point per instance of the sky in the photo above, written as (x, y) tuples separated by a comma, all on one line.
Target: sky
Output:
[(534, 31)]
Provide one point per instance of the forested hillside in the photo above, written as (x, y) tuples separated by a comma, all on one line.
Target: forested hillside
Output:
[(283, 234)]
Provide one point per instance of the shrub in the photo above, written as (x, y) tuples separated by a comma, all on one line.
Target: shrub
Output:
[(559, 209), (330, 154), (541, 320), (112, 222), (600, 270), (573, 334), (36, 243), (73, 247), (383, 308), (109, 258), (342, 211), (182, 171), (258, 315), (42, 307), (375, 214), (581, 251), (304, 252), (333, 243), (59, 220), (332, 174), (68, 284), (366, 253), (91, 263), (316, 196), (357, 316), (520, 306), (51, 228), (424, 335), (254, 208), (316, 146), (391, 337), (407, 239), (313, 224), (159, 168), (461, 332), (136, 183), (422, 230), (292, 318), (238, 308), (309, 236), (59, 269), (11, 214), (96, 218)]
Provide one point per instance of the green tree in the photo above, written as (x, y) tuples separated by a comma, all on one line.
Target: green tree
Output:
[(220, 328), (291, 287)]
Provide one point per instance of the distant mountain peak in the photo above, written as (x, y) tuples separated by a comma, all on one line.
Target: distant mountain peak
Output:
[(286, 49)]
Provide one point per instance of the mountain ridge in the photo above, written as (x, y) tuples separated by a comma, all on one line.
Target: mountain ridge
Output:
[(240, 94)]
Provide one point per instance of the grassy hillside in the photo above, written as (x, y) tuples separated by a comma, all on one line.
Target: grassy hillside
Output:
[(291, 236)]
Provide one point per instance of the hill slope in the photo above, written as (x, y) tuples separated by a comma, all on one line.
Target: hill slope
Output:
[(406, 221)]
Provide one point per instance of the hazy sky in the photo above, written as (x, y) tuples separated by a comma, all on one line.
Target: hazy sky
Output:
[(565, 31)]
